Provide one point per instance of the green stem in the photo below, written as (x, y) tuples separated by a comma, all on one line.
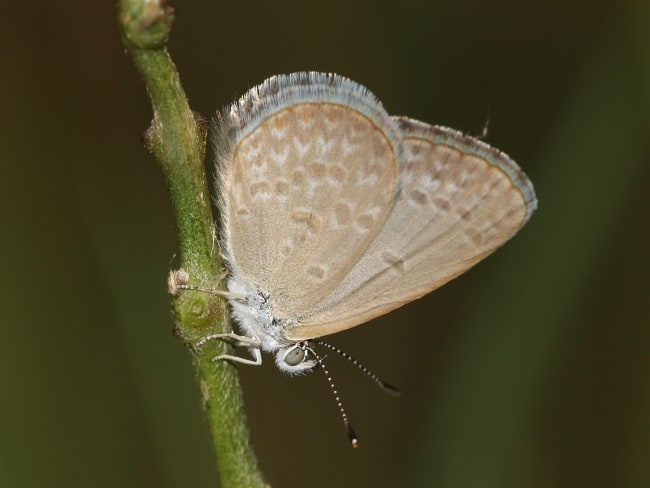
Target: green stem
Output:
[(177, 140)]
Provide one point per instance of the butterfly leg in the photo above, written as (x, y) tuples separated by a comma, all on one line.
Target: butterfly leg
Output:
[(238, 340), (255, 351), (179, 280)]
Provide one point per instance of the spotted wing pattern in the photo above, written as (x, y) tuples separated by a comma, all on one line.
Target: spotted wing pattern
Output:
[(458, 201)]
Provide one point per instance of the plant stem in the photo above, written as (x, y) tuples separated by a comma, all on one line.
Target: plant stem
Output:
[(177, 140)]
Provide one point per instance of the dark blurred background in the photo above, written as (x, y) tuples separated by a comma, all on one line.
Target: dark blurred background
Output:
[(532, 370)]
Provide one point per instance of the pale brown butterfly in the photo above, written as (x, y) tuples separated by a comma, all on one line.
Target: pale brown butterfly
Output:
[(333, 212)]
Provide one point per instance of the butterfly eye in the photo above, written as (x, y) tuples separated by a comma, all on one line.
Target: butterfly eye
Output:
[(295, 356)]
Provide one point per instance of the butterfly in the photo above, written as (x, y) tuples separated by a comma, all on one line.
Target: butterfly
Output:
[(333, 213)]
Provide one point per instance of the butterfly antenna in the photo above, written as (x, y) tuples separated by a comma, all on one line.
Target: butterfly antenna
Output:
[(354, 440), (381, 383)]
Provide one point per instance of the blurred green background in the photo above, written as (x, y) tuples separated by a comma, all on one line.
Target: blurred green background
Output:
[(532, 370)]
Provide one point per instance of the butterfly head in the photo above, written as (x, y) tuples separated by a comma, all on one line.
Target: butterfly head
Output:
[(298, 358)]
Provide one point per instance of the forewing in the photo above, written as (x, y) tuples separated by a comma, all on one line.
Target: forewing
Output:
[(307, 170), (459, 200)]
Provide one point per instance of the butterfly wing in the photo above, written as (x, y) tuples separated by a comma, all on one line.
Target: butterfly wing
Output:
[(459, 200), (307, 169)]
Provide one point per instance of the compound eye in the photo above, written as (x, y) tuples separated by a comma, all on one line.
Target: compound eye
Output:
[(295, 356)]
